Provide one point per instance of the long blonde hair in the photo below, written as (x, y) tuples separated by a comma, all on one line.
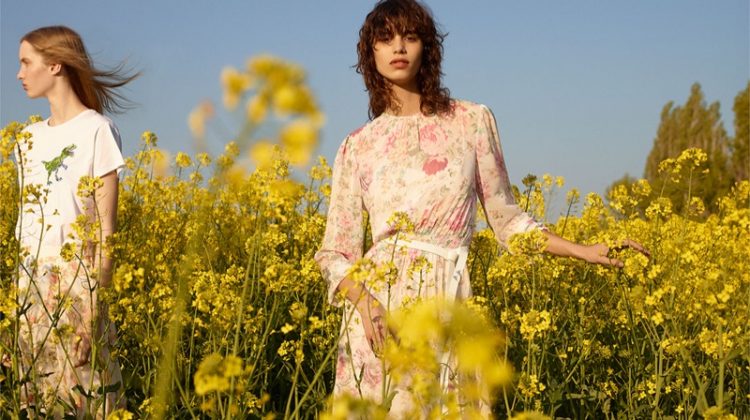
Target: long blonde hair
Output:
[(94, 87)]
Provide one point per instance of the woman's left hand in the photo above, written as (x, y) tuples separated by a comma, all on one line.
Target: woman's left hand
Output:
[(601, 253)]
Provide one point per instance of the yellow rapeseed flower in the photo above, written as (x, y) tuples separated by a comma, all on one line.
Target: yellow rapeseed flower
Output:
[(529, 385), (299, 139), (149, 138), (535, 323), (717, 413), (400, 222), (198, 117), (182, 160), (257, 108), (215, 374), (161, 159), (87, 186), (263, 64), (120, 414), (530, 415), (263, 153), (287, 328), (234, 84), (290, 98)]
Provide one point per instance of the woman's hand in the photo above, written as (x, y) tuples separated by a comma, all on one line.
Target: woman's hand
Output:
[(600, 253), (373, 316), (371, 311), (596, 254)]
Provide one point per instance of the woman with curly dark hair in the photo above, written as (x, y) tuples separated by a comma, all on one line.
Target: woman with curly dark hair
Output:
[(427, 157)]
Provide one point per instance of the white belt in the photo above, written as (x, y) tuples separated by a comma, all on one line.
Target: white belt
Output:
[(457, 255)]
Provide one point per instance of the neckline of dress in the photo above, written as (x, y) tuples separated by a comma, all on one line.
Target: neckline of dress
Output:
[(406, 117)]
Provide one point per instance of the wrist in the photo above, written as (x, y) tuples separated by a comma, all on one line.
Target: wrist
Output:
[(579, 251), (366, 302), (355, 293)]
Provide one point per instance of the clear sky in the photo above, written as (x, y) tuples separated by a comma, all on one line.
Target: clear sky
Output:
[(577, 86)]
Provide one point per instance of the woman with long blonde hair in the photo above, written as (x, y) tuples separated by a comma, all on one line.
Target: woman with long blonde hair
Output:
[(72, 161)]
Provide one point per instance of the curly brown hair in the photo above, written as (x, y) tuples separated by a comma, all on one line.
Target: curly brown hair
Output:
[(390, 17)]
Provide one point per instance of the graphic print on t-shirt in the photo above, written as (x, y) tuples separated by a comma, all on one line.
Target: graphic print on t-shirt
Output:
[(55, 164)]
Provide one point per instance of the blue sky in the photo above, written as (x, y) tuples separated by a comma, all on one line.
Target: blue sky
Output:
[(576, 86)]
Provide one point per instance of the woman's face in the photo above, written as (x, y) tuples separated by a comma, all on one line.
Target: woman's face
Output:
[(398, 59), (36, 76)]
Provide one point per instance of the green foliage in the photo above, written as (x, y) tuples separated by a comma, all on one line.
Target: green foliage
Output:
[(625, 182), (741, 141), (693, 124)]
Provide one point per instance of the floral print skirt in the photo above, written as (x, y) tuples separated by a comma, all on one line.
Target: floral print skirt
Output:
[(362, 374), (64, 342)]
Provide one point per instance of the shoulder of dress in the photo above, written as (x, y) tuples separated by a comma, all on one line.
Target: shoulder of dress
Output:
[(359, 134), (464, 107), (356, 133)]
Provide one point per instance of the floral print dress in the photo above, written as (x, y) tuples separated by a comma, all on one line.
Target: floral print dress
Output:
[(432, 169)]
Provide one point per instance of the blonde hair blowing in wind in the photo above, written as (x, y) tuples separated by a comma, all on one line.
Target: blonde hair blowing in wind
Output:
[(95, 88)]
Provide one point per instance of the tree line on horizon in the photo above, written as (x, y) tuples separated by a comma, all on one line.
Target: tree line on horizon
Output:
[(698, 124)]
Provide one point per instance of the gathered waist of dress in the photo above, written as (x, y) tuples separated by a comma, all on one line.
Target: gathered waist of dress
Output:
[(440, 241), (458, 256), (449, 253)]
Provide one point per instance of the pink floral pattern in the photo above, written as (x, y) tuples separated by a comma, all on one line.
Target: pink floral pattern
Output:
[(432, 168), (59, 353)]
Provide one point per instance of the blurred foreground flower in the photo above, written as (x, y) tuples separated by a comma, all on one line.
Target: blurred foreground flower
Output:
[(432, 338), (218, 374), (198, 118), (267, 84), (299, 139), (235, 84)]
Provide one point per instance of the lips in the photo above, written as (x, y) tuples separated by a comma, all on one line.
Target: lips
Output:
[(399, 63)]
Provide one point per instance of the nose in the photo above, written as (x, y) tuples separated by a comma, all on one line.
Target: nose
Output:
[(399, 45)]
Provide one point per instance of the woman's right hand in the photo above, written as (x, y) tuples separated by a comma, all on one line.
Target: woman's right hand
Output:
[(373, 314), (371, 311)]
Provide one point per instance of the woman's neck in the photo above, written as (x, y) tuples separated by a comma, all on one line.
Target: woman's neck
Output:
[(409, 101), (63, 104)]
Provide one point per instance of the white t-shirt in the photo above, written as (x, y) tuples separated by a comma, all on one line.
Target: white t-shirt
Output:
[(87, 144)]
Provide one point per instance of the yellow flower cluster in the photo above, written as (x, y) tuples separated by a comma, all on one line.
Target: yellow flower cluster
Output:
[(534, 323), (219, 374), (692, 159), (432, 337), (529, 386), (675, 319), (268, 83)]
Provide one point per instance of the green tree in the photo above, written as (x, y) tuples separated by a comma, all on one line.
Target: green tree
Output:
[(691, 125), (741, 142)]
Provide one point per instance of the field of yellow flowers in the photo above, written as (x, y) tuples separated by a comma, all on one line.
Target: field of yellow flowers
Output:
[(221, 310)]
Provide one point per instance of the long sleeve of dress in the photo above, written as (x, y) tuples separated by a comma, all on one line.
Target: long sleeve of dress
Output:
[(342, 243), (493, 185)]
